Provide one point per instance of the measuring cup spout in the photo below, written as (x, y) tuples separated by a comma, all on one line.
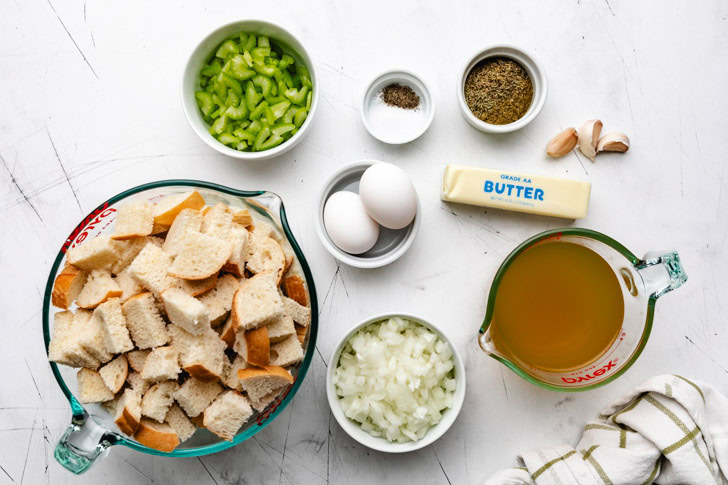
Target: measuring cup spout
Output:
[(83, 442), (486, 343), (661, 272)]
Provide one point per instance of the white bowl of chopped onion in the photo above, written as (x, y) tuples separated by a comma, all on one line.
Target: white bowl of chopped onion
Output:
[(395, 383)]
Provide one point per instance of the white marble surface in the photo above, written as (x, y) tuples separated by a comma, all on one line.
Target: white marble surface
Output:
[(89, 106)]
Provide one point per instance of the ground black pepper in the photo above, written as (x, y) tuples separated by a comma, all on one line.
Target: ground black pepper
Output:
[(498, 91), (400, 96)]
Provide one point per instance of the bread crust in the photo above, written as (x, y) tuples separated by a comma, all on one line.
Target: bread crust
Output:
[(294, 288), (258, 346), (149, 434), (67, 286)]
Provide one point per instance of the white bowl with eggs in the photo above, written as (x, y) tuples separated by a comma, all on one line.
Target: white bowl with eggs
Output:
[(355, 231), (354, 428)]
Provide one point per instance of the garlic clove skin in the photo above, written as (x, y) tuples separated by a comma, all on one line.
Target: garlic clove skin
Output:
[(588, 137), (613, 142), (562, 143)]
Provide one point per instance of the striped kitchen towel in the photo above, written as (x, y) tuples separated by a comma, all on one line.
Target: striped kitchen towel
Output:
[(669, 430)]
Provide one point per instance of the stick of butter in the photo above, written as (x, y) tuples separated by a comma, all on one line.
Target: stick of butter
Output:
[(515, 191)]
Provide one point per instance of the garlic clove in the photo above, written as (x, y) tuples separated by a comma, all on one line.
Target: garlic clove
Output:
[(613, 142), (562, 143), (588, 137)]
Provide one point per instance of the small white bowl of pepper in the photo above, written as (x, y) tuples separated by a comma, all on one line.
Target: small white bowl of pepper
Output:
[(501, 89)]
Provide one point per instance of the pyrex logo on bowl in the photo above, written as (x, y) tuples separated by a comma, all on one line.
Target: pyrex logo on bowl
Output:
[(89, 223), (597, 373)]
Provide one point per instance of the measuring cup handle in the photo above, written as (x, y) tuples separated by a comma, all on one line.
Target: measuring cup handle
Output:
[(661, 272), (81, 444)]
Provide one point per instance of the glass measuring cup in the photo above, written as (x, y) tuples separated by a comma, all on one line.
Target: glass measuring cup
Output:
[(92, 430), (642, 282)]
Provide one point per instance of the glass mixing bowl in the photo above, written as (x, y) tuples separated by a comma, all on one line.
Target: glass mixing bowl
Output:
[(92, 430)]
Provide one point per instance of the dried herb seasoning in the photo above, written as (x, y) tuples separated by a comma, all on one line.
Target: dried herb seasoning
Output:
[(498, 91), (400, 96)]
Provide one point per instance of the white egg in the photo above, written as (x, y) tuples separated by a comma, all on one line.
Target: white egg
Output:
[(348, 225), (388, 195)]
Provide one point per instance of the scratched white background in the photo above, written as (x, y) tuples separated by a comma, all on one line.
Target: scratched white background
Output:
[(89, 106)]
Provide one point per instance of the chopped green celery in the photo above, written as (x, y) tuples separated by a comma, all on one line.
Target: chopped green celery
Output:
[(218, 86), (241, 146), (229, 82), (271, 61), (244, 124), (239, 68), (286, 61), (218, 100), (243, 38), (212, 69), (296, 80), (303, 74), (293, 132), (262, 135), (227, 48), (220, 125), (300, 117), (282, 128), (275, 99), (210, 87), (215, 113), (279, 109), (269, 114), (282, 86), (250, 43), (226, 67), (237, 113), (308, 100), (261, 68), (260, 53), (263, 41), (228, 139), (251, 96), (288, 79), (296, 96), (258, 111), (264, 83), (232, 99), (204, 101), (274, 89), (272, 142), (255, 126), (290, 113), (245, 135), (248, 58), (274, 55)]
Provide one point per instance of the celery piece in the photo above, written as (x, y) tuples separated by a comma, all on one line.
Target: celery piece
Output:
[(212, 69), (204, 101), (260, 53), (251, 96), (215, 113), (244, 124), (286, 61), (258, 111), (290, 113), (255, 126), (218, 100), (296, 96), (282, 128), (293, 132), (279, 109), (232, 99), (220, 125), (275, 99), (300, 117), (239, 68), (264, 83), (241, 146), (218, 86), (261, 68), (308, 100), (271, 61), (269, 114), (231, 83), (228, 139), (227, 48), (274, 89), (243, 38), (237, 113), (272, 142), (260, 138), (248, 58), (245, 135), (226, 67), (288, 79), (263, 41), (250, 43)]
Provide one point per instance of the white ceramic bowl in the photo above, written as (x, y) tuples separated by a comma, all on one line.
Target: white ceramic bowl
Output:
[(204, 50), (391, 243), (353, 428), (535, 72), (419, 123)]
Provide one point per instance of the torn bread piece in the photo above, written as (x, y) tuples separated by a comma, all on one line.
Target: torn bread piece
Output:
[(217, 221), (180, 423), (157, 400), (226, 414), (230, 377), (127, 250), (195, 287), (202, 356), (159, 436), (254, 346), (194, 395), (145, 324), (295, 289), (129, 286), (200, 256), (91, 387), (99, 287), (138, 383), (162, 364), (281, 328), (167, 209), (227, 333), (242, 217), (236, 262), (150, 269), (262, 403), (267, 255), (114, 373), (113, 324), (68, 286), (259, 382), (188, 220), (287, 352), (128, 413), (301, 333), (257, 302), (136, 359), (64, 347), (186, 311), (97, 253), (90, 335), (135, 219), (300, 314), (219, 300)]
